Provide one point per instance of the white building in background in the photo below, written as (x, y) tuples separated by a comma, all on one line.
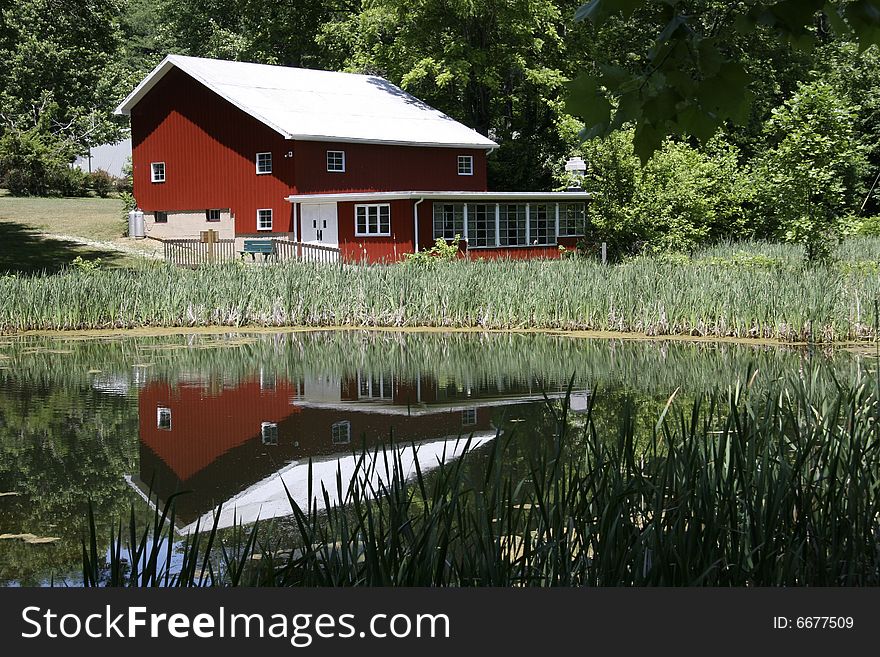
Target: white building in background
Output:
[(109, 157)]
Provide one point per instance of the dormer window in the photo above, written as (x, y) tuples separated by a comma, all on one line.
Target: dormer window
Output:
[(157, 172), (465, 165), (264, 163), (336, 161)]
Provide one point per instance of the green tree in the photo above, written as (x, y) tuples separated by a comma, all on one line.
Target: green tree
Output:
[(682, 197), (59, 83), (497, 66), (855, 76), (692, 77), (811, 178), (264, 31), (60, 60)]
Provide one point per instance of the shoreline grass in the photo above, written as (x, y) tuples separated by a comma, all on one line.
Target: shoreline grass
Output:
[(774, 300)]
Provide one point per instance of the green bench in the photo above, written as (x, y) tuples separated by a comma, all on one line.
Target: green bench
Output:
[(253, 247)]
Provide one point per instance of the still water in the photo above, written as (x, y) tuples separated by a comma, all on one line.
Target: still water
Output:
[(234, 419)]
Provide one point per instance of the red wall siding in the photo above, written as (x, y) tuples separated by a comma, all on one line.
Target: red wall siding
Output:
[(376, 249), (204, 426), (376, 168), (209, 149)]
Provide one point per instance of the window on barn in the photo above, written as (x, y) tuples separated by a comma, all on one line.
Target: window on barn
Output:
[(481, 224), (542, 224), (264, 219), (212, 215), (163, 418), (160, 217), (269, 433), (572, 219), (465, 165), (469, 417), (340, 432), (157, 172), (448, 220), (373, 387), (264, 163), (512, 224), (372, 220), (336, 161)]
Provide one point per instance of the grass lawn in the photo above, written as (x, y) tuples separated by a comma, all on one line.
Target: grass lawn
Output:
[(33, 232)]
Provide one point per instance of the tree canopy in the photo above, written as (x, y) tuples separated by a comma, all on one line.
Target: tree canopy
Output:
[(695, 70)]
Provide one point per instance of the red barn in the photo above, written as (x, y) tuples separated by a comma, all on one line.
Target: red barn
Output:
[(336, 159)]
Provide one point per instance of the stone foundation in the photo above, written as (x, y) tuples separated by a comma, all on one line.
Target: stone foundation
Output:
[(188, 225)]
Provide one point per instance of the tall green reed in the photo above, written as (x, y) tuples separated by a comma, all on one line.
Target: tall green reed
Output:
[(709, 296)]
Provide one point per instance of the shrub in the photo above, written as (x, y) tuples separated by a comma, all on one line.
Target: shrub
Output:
[(102, 183), (868, 227), (33, 163), (680, 198), (809, 180), (440, 252), (70, 181), (86, 266)]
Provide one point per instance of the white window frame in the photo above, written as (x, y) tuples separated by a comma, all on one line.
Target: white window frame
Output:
[(366, 207), (469, 417), (208, 215), (334, 170), (468, 162), (564, 222), (271, 219), (440, 218), (163, 413), (338, 426), (269, 433), (263, 171), (154, 175)]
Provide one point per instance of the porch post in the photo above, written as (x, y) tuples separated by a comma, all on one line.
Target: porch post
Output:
[(557, 222)]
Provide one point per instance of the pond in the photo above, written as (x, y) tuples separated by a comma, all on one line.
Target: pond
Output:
[(234, 419)]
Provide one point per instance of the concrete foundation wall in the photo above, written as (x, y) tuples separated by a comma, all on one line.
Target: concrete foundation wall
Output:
[(188, 225)]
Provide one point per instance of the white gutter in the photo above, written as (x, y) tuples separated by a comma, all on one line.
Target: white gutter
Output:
[(439, 196), (416, 225)]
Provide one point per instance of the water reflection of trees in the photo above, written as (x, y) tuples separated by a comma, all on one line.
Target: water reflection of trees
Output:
[(645, 366), (59, 447)]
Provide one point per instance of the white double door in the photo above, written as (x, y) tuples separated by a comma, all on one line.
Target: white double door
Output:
[(319, 224)]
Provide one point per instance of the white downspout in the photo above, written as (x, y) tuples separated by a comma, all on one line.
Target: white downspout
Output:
[(416, 225), (295, 213)]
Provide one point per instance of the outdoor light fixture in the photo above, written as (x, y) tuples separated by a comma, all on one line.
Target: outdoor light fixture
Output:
[(576, 167)]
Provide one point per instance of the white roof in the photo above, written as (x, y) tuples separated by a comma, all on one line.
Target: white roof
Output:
[(320, 105), (268, 498)]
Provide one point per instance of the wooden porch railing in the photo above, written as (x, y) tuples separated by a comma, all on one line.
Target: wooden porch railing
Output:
[(288, 251), (194, 252)]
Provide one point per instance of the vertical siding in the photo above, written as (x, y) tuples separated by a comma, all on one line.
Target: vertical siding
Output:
[(376, 249), (204, 426), (209, 149), (377, 168)]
